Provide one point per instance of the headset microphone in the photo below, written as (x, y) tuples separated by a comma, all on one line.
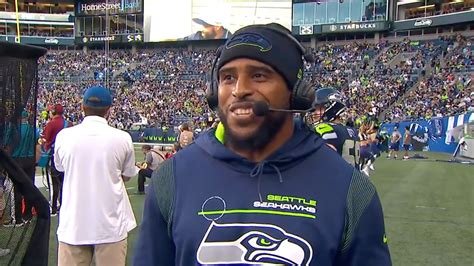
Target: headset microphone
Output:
[(261, 108)]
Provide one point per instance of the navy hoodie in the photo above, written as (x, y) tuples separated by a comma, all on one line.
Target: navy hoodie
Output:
[(304, 205)]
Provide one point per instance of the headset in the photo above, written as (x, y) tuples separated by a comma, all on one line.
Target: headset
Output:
[(302, 95)]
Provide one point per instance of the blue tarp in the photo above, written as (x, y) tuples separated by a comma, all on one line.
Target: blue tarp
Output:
[(432, 135)]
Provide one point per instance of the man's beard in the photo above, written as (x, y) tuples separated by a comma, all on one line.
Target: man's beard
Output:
[(271, 125)]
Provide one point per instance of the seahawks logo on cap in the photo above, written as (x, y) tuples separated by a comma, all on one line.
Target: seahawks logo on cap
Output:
[(252, 243), (250, 39)]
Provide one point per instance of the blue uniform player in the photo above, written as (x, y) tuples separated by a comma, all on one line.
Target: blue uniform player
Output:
[(367, 146), (326, 121)]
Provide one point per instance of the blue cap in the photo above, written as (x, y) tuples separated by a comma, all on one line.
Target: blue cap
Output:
[(97, 97)]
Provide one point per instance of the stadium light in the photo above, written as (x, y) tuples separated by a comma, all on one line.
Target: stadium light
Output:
[(423, 7), (406, 2)]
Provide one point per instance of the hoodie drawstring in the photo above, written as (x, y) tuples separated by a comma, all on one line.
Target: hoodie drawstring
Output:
[(257, 171)]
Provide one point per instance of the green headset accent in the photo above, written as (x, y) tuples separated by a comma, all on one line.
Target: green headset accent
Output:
[(300, 73), (219, 133)]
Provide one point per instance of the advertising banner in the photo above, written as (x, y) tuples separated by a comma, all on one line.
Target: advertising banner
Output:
[(98, 39), (40, 40), (446, 19), (100, 7), (154, 135), (432, 135), (126, 38), (209, 19), (355, 27)]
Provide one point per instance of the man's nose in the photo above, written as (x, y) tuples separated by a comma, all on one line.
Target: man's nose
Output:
[(243, 88)]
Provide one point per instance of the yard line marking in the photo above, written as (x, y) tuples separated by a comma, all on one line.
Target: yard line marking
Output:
[(427, 207)]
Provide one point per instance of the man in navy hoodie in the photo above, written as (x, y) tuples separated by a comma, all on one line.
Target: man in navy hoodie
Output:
[(260, 189)]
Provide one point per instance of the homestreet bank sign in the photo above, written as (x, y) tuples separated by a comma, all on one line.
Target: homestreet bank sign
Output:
[(99, 7), (112, 6), (355, 27)]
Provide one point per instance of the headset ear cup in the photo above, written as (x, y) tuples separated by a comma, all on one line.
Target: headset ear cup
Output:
[(212, 86), (212, 95), (303, 96), (294, 96)]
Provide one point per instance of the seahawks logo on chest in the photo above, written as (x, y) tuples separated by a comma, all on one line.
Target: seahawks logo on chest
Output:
[(252, 243)]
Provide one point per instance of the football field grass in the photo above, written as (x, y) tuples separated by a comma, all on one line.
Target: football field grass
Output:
[(428, 208)]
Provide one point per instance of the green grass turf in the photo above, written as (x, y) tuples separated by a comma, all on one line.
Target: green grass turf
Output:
[(428, 210)]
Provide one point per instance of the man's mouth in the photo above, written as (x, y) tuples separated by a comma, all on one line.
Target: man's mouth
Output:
[(242, 111), (241, 108)]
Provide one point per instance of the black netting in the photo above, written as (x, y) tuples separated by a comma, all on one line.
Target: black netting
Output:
[(24, 212)]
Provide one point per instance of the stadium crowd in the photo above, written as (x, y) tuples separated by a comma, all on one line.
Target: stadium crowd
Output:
[(166, 86), (439, 95), (449, 90)]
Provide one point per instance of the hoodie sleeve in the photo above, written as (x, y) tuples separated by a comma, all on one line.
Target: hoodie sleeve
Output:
[(155, 245), (364, 241)]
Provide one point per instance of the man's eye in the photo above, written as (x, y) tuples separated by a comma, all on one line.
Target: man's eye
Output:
[(227, 78), (259, 75)]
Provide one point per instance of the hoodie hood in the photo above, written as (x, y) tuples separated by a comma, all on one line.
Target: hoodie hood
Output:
[(299, 146), (302, 144)]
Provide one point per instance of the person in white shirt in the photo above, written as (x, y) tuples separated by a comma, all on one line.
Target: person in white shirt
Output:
[(394, 146), (96, 159)]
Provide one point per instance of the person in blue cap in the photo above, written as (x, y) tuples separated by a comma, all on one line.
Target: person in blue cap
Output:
[(96, 159)]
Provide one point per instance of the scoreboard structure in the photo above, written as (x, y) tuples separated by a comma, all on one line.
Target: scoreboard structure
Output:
[(113, 21), (339, 16), (376, 18)]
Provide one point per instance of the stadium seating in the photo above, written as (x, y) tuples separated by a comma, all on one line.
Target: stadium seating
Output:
[(403, 80)]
